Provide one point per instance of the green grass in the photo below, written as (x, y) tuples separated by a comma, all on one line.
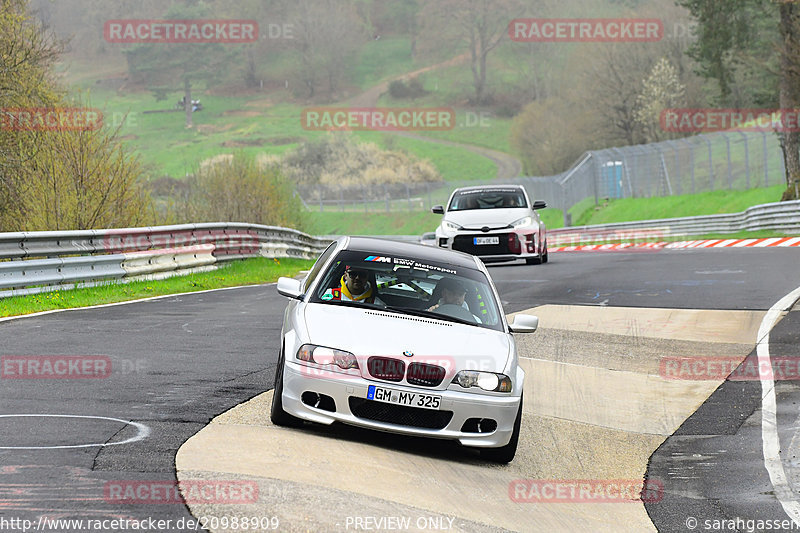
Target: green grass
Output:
[(401, 222), (706, 203), (229, 124), (248, 272), (394, 223), (381, 59), (335, 223)]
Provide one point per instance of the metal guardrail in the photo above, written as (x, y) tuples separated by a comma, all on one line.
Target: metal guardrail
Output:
[(34, 262), (779, 216)]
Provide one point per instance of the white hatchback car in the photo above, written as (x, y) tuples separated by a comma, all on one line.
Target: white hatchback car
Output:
[(404, 338), (494, 222)]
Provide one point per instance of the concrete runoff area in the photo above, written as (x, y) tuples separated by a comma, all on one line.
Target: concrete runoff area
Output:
[(591, 413)]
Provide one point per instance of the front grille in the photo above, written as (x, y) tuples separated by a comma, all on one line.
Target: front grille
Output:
[(386, 368), (425, 374), (464, 243), (399, 414)]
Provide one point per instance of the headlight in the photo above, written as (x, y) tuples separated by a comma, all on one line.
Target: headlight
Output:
[(320, 355), (524, 221), (450, 226), (487, 381)]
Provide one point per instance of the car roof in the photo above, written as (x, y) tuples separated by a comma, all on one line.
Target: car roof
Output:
[(484, 187), (410, 250)]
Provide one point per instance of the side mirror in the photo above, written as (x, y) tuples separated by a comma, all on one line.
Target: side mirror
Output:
[(290, 287), (539, 204), (438, 209), (524, 324)]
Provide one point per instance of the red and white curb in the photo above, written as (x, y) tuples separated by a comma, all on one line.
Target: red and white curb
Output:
[(710, 243)]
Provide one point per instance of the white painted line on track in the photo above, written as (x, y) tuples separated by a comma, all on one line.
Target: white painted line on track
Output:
[(769, 421), (142, 432), (42, 313)]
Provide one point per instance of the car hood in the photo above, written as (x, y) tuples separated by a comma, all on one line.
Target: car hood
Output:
[(477, 218), (372, 332)]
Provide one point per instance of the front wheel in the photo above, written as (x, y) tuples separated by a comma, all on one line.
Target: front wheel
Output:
[(545, 257), (505, 454), (278, 416)]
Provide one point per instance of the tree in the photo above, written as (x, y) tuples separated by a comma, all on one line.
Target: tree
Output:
[(478, 25), (27, 55), (326, 35), (174, 66), (56, 179), (661, 90), (85, 180), (753, 33)]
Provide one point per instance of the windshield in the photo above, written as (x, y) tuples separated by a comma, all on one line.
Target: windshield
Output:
[(410, 286), (488, 199)]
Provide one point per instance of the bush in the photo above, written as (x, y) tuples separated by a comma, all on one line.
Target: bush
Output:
[(238, 189), (399, 89)]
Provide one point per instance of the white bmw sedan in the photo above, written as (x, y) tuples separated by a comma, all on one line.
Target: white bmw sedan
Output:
[(403, 338), (494, 222)]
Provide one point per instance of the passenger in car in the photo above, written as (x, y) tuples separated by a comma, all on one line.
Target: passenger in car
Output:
[(355, 287)]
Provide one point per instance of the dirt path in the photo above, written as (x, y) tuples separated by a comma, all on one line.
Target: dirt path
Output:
[(508, 166)]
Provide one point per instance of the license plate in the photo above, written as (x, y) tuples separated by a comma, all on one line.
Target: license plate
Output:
[(486, 240), (408, 399)]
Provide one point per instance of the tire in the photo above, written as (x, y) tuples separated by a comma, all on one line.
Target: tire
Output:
[(505, 454), (545, 257), (278, 416)]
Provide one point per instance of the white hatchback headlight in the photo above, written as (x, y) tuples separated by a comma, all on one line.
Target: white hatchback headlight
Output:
[(451, 226), (487, 381), (524, 221), (311, 353)]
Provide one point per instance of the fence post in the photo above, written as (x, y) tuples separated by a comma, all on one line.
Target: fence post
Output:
[(730, 170), (691, 154), (766, 159), (746, 159), (710, 162)]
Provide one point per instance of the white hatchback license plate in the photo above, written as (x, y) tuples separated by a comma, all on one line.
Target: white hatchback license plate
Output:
[(486, 240), (408, 399)]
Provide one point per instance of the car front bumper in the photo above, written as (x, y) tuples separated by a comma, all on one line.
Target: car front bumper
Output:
[(520, 243), (463, 405)]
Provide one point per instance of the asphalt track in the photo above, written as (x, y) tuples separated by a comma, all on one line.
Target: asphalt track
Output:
[(180, 361)]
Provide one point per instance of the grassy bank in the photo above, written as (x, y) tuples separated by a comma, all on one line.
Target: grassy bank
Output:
[(706, 203), (248, 272), (396, 223), (583, 214)]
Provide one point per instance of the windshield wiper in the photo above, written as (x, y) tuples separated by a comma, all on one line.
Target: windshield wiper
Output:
[(429, 314)]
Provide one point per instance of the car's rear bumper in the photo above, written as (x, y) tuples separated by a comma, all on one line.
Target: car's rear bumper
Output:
[(463, 405)]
